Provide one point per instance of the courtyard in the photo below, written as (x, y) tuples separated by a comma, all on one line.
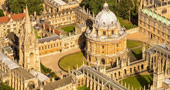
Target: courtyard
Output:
[(138, 81), (68, 29)]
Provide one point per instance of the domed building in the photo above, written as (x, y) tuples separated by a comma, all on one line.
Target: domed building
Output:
[(106, 40)]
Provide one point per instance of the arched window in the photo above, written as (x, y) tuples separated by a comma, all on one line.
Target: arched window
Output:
[(125, 71), (103, 61)]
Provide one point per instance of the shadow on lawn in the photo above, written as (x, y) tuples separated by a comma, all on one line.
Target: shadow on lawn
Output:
[(143, 82), (137, 56)]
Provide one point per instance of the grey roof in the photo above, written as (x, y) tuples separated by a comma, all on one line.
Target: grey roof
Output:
[(167, 81), (48, 39), (163, 48), (106, 81), (41, 77), (59, 83), (7, 61), (23, 73), (8, 49)]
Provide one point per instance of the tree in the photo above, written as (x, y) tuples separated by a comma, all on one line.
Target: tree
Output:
[(123, 8), (35, 5), (17, 6), (1, 13)]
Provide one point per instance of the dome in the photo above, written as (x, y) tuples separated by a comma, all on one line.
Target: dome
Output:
[(106, 18)]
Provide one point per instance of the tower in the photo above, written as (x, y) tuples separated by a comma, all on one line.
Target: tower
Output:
[(158, 74), (28, 46)]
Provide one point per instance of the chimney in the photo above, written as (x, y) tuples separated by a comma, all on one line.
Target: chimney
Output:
[(35, 13), (9, 15), (24, 10)]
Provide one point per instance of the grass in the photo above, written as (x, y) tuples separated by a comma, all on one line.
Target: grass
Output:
[(126, 23), (48, 72), (137, 52), (138, 81), (132, 43), (71, 61), (68, 29), (4, 86), (83, 88)]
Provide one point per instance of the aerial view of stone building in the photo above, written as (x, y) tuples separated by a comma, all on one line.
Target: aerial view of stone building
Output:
[(85, 45)]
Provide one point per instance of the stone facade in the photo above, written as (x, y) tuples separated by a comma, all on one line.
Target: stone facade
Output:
[(11, 23), (154, 22), (158, 61), (53, 6)]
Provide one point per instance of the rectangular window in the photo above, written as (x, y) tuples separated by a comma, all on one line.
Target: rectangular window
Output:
[(103, 47), (112, 32)]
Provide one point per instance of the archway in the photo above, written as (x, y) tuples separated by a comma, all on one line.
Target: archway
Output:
[(31, 85)]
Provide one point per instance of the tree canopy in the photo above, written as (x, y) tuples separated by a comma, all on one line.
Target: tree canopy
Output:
[(121, 8), (1, 13), (17, 6)]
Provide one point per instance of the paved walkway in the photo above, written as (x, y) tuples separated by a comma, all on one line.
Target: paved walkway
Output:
[(51, 61), (139, 37)]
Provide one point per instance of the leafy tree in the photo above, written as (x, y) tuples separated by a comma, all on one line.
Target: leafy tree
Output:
[(35, 5), (123, 8), (1, 13), (17, 6)]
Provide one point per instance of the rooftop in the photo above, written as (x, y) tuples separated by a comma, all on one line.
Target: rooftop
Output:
[(58, 84), (106, 81), (48, 39), (41, 77), (15, 17), (152, 14), (23, 73), (7, 61), (60, 2)]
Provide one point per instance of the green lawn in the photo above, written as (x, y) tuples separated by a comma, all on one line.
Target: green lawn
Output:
[(137, 52), (138, 81), (68, 29), (71, 61), (83, 88), (132, 43), (4, 86)]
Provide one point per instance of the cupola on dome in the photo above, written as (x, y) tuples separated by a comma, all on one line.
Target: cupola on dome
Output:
[(106, 18)]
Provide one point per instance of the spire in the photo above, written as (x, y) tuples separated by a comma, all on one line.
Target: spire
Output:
[(27, 21)]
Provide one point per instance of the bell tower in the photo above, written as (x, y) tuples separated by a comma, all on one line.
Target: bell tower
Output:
[(28, 46)]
